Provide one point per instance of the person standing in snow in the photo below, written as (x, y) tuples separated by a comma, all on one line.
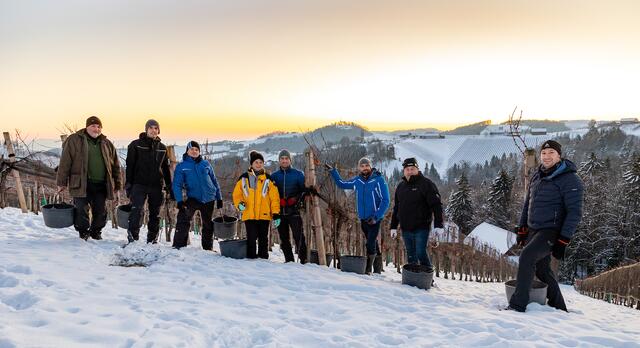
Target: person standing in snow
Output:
[(89, 168), (290, 184), (416, 204), (552, 210), (147, 171), (372, 202), (196, 176), (256, 197)]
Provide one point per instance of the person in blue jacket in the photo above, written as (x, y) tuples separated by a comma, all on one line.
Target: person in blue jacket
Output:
[(372, 202), (551, 213), (196, 176), (291, 187)]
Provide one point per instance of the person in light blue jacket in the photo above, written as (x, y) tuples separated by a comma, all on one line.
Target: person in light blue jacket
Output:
[(196, 176), (372, 202)]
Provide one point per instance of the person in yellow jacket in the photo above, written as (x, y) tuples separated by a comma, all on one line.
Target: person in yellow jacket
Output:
[(257, 198)]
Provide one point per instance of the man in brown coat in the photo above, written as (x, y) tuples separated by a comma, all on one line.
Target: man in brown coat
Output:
[(89, 168)]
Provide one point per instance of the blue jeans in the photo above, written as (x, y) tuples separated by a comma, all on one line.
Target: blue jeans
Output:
[(416, 244), (371, 233)]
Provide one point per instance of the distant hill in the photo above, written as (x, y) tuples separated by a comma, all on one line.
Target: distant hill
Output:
[(295, 142), (551, 126), (470, 129)]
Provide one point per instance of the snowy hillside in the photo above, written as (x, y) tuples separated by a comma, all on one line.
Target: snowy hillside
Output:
[(59, 291)]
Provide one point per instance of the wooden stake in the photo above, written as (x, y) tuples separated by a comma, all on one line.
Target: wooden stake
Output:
[(16, 174), (317, 213)]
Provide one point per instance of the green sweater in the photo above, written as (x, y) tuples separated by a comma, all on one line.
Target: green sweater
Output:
[(97, 171)]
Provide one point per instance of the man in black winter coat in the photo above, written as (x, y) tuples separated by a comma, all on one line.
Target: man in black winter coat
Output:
[(417, 204), (551, 213), (147, 171)]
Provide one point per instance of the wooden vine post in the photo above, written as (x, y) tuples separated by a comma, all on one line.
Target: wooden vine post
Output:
[(316, 225), (16, 174)]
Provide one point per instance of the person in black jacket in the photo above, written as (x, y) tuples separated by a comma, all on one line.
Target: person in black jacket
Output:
[(147, 171), (551, 213), (417, 204)]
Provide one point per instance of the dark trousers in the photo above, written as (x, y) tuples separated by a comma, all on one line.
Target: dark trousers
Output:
[(295, 223), (415, 242), (153, 196), (95, 200), (184, 222), (257, 230), (536, 259), (371, 234)]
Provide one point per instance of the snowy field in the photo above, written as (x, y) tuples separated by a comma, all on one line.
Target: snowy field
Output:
[(59, 291)]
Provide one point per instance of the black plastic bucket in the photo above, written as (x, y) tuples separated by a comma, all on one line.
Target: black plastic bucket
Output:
[(234, 248), (224, 227), (314, 258), (58, 215), (123, 215), (417, 275), (354, 264), (537, 293)]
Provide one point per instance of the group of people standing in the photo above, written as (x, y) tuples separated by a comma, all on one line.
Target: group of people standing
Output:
[(90, 169)]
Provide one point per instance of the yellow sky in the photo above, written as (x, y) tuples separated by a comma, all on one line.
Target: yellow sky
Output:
[(236, 69)]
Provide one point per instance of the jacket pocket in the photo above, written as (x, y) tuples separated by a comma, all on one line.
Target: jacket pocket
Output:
[(75, 181)]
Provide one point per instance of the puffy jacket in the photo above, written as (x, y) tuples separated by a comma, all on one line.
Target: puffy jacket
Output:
[(259, 194), (372, 194), (554, 201), (74, 162), (290, 184), (416, 201), (147, 162), (198, 178)]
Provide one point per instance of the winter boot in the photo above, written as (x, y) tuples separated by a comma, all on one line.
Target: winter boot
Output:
[(377, 264), (370, 261), (96, 235), (84, 234), (131, 236)]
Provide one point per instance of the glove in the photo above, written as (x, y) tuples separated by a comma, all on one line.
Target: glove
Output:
[(276, 220), (241, 206), (394, 233), (559, 247), (523, 232), (328, 166), (181, 205), (372, 221), (219, 204), (438, 231)]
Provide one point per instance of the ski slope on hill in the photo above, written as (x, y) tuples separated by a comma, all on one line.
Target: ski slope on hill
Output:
[(59, 291)]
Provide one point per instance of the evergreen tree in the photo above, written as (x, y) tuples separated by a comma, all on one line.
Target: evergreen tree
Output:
[(500, 200), (460, 209)]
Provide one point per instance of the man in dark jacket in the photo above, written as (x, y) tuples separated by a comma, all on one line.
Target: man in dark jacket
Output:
[(372, 202), (196, 176), (290, 183), (89, 168), (552, 210), (417, 204), (147, 171)]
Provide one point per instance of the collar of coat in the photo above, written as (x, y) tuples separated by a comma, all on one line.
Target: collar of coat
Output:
[(565, 166), (83, 133), (186, 157), (143, 136), (413, 178), (250, 171)]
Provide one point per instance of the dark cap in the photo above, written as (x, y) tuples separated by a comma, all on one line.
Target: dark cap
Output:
[(552, 144), (410, 162), (93, 120)]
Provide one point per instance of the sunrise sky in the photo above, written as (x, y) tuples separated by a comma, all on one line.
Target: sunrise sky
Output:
[(237, 69)]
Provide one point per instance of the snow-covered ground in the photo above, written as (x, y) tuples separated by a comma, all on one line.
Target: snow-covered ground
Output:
[(59, 291)]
